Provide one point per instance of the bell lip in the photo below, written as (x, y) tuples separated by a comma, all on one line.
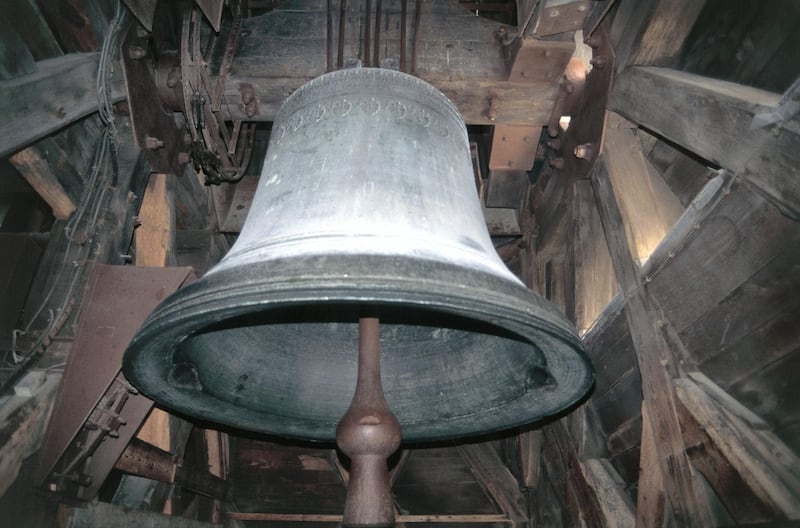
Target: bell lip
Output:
[(175, 320)]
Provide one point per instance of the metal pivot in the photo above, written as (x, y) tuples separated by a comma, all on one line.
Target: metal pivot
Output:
[(368, 433)]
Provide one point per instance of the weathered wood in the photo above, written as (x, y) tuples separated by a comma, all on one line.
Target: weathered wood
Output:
[(15, 58), (498, 480), (101, 514), (502, 221), (23, 420), (716, 118), (651, 505), (34, 167), (530, 455), (69, 20), (595, 284), (654, 354), (648, 207), (765, 464), (666, 30), (457, 52), (323, 518), (37, 35), (61, 91), (615, 507), (155, 236)]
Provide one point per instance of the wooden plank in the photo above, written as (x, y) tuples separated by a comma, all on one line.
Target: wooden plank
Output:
[(651, 500), (595, 284), (716, 124), (530, 455), (765, 463), (329, 518), (100, 514), (648, 207), (34, 167), (69, 20), (666, 30), (498, 480), (15, 58), (155, 236), (615, 507), (61, 91), (654, 354)]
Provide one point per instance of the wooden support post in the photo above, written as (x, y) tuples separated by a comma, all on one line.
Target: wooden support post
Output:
[(766, 465), (605, 482), (653, 353), (155, 236), (651, 500), (33, 166), (498, 480), (61, 91), (595, 284), (715, 123)]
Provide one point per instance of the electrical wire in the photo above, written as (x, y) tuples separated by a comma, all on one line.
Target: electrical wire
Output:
[(87, 213)]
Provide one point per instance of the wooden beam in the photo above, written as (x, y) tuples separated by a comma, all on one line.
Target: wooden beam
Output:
[(615, 507), (595, 284), (654, 354), (488, 518), (61, 91), (648, 206), (488, 467), (652, 31), (101, 514), (763, 461), (36, 170), (155, 236), (530, 455), (715, 123), (651, 505), (665, 32)]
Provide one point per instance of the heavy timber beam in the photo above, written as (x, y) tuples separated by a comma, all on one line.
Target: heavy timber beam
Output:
[(456, 51), (715, 123), (654, 353), (498, 480), (61, 91)]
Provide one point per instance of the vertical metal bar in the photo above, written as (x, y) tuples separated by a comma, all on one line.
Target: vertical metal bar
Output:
[(342, 19), (403, 31), (329, 36), (367, 33), (417, 32), (376, 57)]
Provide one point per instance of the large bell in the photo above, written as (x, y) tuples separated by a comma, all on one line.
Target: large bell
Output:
[(366, 205)]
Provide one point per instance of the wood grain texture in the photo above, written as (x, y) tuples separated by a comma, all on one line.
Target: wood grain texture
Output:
[(61, 91), (36, 170), (155, 236), (715, 124)]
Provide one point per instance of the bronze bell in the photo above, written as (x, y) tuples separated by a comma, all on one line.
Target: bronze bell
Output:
[(366, 207)]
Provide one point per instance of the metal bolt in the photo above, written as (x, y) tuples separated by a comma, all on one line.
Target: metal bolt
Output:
[(137, 52), (553, 13), (599, 62), (593, 41), (152, 143), (557, 163), (184, 157), (583, 151), (554, 144)]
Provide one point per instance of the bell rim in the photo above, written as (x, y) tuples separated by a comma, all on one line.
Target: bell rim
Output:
[(174, 321)]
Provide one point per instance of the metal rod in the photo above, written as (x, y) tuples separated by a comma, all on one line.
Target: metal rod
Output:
[(417, 32), (368, 433), (376, 57), (367, 33), (342, 19), (403, 31), (329, 36)]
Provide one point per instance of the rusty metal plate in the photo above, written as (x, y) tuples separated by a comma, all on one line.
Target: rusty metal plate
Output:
[(119, 299), (532, 60), (561, 16), (212, 9), (581, 141), (514, 147)]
